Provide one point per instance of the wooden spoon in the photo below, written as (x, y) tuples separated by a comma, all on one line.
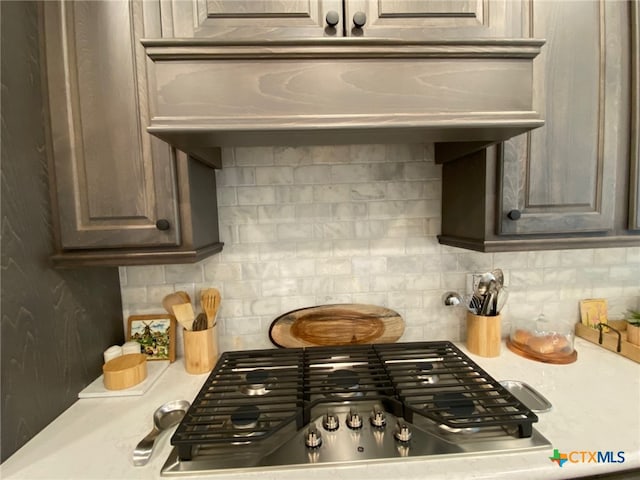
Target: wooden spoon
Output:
[(175, 298), (184, 314), (210, 301)]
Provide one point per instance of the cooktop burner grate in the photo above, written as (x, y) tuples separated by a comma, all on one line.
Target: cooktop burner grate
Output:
[(463, 396), (251, 395)]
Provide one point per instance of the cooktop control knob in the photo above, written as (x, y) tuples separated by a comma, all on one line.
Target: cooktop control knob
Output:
[(312, 438), (330, 422), (402, 433), (354, 420), (378, 418)]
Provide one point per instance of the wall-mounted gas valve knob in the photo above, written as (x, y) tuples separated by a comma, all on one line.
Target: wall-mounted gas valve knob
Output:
[(402, 433), (378, 419), (312, 438), (354, 420), (330, 422), (332, 18), (359, 19), (514, 215)]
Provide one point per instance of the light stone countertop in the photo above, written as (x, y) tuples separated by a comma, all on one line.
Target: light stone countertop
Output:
[(596, 407)]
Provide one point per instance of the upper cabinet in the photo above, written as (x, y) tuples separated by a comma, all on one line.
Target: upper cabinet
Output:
[(267, 72), (561, 178), (634, 177), (121, 195), (280, 19), (567, 183)]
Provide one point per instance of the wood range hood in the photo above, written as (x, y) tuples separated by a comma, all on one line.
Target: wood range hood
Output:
[(461, 95)]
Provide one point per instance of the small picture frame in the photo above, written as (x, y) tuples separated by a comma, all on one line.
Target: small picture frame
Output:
[(593, 311), (156, 334)]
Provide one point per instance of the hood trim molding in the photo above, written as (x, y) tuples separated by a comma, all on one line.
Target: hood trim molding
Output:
[(205, 94)]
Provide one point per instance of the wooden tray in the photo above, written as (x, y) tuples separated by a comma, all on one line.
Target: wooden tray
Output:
[(340, 324), (610, 339), (554, 357)]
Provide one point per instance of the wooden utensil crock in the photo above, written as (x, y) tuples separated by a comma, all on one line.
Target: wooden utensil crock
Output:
[(200, 350), (483, 334), (125, 371)]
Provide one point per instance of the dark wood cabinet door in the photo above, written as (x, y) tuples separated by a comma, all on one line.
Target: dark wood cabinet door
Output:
[(435, 19), (634, 177), (561, 178), (113, 181)]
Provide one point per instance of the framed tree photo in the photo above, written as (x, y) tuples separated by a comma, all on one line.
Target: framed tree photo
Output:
[(156, 334)]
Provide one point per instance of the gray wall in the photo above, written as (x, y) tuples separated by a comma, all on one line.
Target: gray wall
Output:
[(55, 324)]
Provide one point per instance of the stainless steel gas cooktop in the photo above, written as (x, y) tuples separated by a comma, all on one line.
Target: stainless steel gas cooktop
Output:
[(338, 405)]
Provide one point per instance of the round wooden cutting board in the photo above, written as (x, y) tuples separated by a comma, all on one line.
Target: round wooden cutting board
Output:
[(339, 324)]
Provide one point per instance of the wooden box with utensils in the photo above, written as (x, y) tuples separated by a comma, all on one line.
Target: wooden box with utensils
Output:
[(200, 350), (484, 334)]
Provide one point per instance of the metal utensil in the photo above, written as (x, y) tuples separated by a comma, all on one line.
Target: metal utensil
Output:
[(473, 303), (165, 417), (482, 288), (501, 299), (499, 276)]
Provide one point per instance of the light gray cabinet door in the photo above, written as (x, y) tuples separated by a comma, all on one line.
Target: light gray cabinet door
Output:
[(113, 181), (561, 177), (251, 19), (434, 19), (231, 20)]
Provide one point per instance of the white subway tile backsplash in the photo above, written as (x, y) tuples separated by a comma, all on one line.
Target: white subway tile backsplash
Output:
[(333, 266), (358, 223), (292, 156), (369, 265), (151, 275), (222, 272), (256, 195), (235, 176), (388, 171), (257, 233), (350, 173), (274, 175), (312, 174), (367, 153), (366, 191), (276, 213), (184, 273), (297, 194), (303, 267), (258, 156)]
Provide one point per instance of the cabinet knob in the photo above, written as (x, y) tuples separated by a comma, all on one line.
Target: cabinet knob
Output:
[(332, 18), (163, 224), (359, 19), (514, 215)]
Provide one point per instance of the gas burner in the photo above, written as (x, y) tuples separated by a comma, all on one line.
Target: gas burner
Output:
[(344, 380), (245, 417), (424, 373), (256, 382), (454, 404)]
